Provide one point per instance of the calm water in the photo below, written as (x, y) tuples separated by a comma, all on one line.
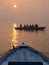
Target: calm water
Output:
[(38, 40)]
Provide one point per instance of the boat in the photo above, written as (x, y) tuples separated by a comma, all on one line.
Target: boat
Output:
[(30, 27), (24, 54)]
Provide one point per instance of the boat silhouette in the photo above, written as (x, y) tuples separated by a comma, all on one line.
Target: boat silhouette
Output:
[(30, 27)]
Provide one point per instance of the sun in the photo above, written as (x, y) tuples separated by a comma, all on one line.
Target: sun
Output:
[(14, 6)]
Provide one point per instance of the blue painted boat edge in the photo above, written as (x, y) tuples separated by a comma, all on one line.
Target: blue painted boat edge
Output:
[(3, 59), (45, 58)]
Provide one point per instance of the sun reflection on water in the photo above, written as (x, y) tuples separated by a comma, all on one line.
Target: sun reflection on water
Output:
[(14, 36)]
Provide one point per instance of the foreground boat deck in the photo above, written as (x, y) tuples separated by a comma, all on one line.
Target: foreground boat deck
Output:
[(24, 53)]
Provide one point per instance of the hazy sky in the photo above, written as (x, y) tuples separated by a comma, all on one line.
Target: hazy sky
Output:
[(27, 11)]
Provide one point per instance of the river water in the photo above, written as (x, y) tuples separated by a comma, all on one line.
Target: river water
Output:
[(37, 40)]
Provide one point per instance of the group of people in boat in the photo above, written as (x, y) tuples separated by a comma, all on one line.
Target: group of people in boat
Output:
[(30, 27)]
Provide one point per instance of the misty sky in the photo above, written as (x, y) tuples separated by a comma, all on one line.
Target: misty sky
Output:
[(27, 11)]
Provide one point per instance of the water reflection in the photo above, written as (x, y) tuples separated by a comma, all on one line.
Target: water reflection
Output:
[(14, 36)]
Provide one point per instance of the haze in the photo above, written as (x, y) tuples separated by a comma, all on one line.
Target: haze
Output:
[(27, 11)]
